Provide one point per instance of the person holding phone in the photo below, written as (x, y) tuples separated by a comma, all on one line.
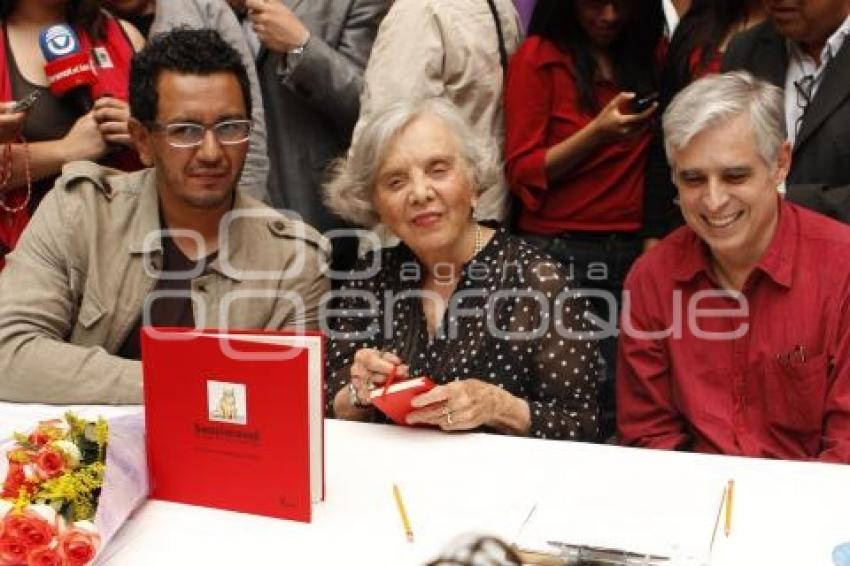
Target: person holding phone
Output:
[(57, 131), (580, 118), (11, 120)]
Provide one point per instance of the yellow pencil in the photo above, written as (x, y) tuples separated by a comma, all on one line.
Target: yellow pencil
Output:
[(405, 520), (730, 487)]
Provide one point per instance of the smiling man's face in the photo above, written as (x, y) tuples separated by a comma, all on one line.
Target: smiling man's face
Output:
[(727, 192)]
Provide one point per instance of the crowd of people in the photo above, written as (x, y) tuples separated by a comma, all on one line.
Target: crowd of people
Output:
[(594, 220)]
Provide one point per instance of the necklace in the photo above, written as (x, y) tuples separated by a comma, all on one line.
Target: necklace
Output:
[(478, 245)]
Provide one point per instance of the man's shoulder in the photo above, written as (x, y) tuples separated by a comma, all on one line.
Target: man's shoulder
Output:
[(538, 51), (658, 264), (821, 232), (405, 12), (187, 12), (744, 46), (446, 8), (269, 226), (85, 180), (760, 32)]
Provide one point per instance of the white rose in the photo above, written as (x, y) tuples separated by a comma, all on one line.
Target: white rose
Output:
[(86, 525), (31, 473), (69, 450), (46, 512)]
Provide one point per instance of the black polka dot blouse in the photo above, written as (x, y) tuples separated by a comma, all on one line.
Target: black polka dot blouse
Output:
[(512, 321)]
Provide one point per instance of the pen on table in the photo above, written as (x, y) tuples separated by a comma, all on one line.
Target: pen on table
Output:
[(527, 519), (730, 488), (405, 520), (604, 555), (720, 507)]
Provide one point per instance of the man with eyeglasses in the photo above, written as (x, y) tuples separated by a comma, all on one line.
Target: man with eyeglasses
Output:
[(173, 245), (803, 48)]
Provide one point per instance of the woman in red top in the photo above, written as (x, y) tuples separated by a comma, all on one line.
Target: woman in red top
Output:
[(576, 146), (56, 130)]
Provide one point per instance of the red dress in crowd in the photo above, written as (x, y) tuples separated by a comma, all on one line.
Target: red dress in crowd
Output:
[(110, 58)]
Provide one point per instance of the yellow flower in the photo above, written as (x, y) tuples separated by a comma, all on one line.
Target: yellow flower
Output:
[(19, 456), (69, 451), (76, 489)]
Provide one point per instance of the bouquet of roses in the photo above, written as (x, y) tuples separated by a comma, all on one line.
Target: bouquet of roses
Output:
[(68, 488)]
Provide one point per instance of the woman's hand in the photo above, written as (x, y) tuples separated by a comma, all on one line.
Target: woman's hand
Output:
[(372, 367), (84, 140), (112, 115), (614, 125), (10, 122), (471, 403)]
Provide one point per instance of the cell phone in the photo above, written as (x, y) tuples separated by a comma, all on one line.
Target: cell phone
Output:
[(26, 102), (642, 103)]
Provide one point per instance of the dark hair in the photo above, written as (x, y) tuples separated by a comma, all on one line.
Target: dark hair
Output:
[(85, 14), (634, 53), (704, 26), (185, 51)]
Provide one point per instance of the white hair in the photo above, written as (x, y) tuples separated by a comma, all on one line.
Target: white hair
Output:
[(353, 179), (717, 99)]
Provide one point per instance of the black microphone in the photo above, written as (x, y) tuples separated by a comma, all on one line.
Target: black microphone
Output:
[(69, 71)]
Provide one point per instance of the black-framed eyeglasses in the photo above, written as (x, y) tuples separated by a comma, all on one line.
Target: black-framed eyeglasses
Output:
[(191, 134)]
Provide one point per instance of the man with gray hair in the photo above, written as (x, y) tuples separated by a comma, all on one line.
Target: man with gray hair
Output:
[(736, 332)]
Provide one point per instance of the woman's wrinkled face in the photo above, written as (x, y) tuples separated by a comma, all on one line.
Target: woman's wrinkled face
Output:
[(603, 20), (424, 192)]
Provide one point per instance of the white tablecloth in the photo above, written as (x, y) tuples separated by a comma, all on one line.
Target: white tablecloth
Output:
[(784, 512)]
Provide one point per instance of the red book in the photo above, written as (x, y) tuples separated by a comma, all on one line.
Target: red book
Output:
[(234, 419), (394, 399)]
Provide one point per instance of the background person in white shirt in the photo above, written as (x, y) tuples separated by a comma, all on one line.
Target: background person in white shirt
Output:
[(803, 48)]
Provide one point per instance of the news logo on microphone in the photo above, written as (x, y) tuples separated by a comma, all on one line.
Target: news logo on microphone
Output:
[(58, 41), (69, 69)]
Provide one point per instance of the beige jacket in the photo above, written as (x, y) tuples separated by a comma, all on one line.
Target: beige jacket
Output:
[(448, 49), (79, 277)]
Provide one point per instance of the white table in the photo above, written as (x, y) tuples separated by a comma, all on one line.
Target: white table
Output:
[(784, 512)]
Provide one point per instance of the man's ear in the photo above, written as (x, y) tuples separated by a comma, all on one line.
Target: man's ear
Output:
[(141, 137), (783, 163)]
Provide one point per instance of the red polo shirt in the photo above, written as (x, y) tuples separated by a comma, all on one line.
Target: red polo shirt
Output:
[(605, 191), (778, 389)]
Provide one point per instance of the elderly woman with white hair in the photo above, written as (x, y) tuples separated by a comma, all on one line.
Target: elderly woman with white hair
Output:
[(486, 316)]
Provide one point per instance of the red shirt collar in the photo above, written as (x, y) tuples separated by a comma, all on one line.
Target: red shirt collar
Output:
[(777, 262)]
